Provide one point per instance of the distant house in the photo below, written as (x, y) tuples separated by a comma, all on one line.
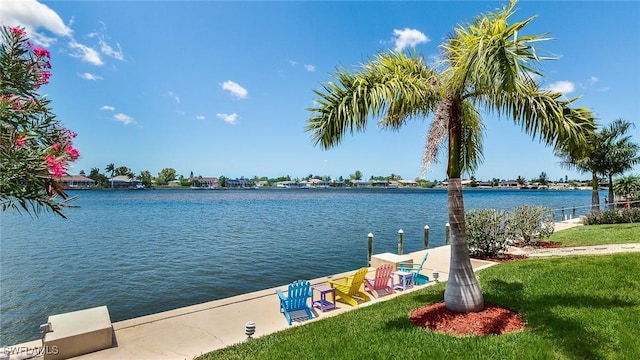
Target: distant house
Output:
[(238, 183), (76, 182), (484, 184), (509, 184), (288, 185), (361, 183), (124, 182), (205, 182), (262, 183), (314, 183), (408, 182), (370, 183)]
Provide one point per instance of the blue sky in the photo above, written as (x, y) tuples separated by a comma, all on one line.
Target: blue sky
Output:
[(222, 88)]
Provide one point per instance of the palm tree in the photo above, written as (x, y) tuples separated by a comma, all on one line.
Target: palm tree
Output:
[(111, 168), (629, 186), (620, 154), (584, 157), (607, 152), (484, 63)]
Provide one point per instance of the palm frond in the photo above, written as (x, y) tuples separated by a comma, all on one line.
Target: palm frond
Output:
[(543, 114), (489, 56), (438, 132), (392, 86), (471, 155)]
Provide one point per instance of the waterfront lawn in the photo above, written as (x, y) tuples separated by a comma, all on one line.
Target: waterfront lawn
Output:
[(581, 307), (598, 235)]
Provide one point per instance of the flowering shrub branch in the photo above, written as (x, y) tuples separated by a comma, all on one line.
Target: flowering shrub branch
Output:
[(35, 149)]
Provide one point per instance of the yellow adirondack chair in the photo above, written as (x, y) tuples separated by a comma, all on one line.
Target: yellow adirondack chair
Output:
[(348, 288)]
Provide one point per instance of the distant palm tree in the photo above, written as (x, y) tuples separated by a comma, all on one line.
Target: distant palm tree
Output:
[(485, 63), (621, 154), (584, 158), (606, 152), (111, 168), (628, 186)]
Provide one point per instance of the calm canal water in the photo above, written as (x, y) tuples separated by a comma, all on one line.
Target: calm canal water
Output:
[(143, 252)]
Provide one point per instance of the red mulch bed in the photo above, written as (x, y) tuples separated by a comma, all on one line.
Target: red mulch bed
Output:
[(506, 258), (510, 257), (492, 320), (547, 244)]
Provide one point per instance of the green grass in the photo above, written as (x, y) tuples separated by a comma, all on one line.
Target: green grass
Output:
[(598, 235), (581, 307)]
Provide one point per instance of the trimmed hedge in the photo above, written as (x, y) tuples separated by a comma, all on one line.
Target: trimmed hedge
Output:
[(617, 216)]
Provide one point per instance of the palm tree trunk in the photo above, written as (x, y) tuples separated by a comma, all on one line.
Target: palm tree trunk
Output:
[(463, 293), (611, 194), (595, 196)]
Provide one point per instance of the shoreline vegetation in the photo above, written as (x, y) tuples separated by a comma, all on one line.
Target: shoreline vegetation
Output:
[(69, 183), (346, 188), (123, 177)]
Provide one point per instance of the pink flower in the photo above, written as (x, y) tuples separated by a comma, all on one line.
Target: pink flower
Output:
[(68, 134), (17, 31), (55, 166), (72, 152), (21, 140), (44, 78), (55, 146), (17, 105), (41, 52)]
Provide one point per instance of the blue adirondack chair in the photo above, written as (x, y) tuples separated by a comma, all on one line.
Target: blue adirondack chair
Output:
[(295, 305), (415, 268)]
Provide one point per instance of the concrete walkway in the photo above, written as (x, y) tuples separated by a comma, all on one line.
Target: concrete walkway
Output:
[(191, 331), (577, 250), (585, 250)]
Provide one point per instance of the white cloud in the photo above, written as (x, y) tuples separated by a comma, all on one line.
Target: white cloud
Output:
[(235, 89), (564, 87), (85, 53), (200, 117), (123, 118), (593, 80), (108, 108), (310, 68), (174, 96), (90, 76), (44, 26), (408, 38), (293, 62), (228, 118), (34, 16), (109, 51)]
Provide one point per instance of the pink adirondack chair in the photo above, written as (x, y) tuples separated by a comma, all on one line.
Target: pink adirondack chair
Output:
[(381, 283)]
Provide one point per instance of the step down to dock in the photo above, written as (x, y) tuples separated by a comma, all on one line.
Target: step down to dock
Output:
[(77, 333)]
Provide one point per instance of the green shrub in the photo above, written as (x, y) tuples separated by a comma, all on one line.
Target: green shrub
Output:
[(529, 224), (617, 216), (487, 232)]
